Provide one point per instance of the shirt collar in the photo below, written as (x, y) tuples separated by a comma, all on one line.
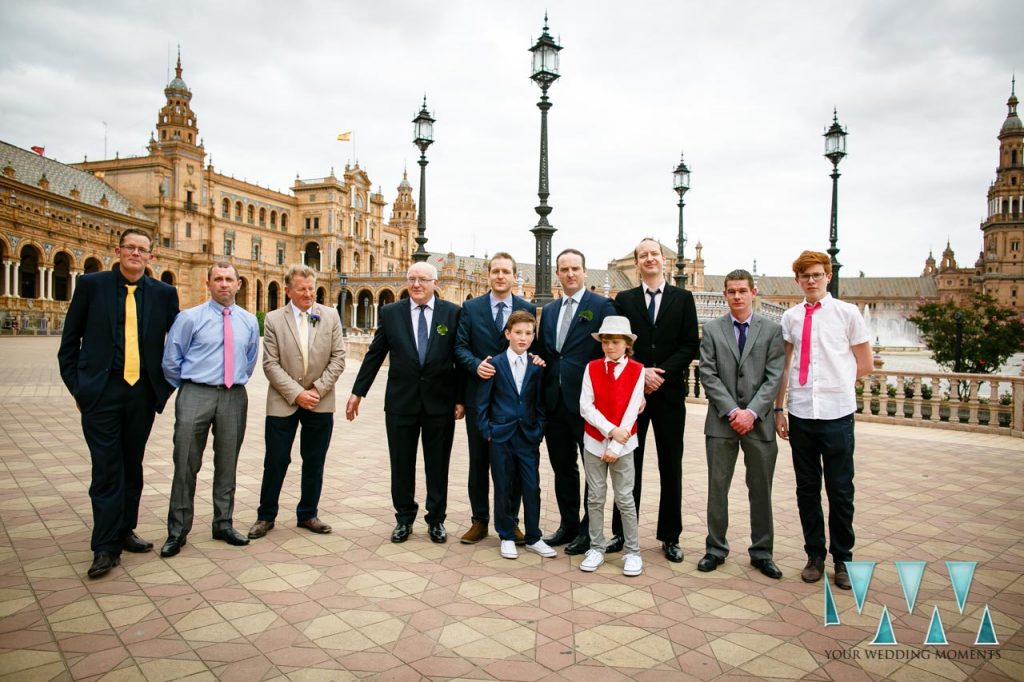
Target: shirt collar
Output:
[(414, 305), (512, 355), (749, 319), (494, 300), (620, 361), (218, 308), (649, 289), (295, 309), (825, 300), (577, 297)]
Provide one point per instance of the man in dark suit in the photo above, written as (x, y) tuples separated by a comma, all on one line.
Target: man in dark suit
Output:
[(480, 338), (423, 397), (566, 345), (109, 359), (741, 362), (664, 319)]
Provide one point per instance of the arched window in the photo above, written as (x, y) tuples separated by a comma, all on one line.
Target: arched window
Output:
[(238, 211), (251, 214), (273, 220), (284, 222), (225, 209)]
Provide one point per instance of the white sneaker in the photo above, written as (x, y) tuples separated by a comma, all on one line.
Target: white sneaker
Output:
[(633, 565), (592, 560), (508, 549), (542, 548)]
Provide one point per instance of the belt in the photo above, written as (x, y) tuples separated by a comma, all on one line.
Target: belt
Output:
[(199, 383)]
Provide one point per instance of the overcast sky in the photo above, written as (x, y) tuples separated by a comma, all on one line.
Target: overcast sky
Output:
[(745, 89)]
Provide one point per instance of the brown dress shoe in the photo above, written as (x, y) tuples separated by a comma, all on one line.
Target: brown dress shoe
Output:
[(315, 524), (260, 528), (842, 578), (476, 533), (813, 570), (520, 538)]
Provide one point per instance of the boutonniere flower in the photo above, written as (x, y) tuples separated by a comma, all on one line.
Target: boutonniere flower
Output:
[(314, 318), (586, 316), (442, 330)]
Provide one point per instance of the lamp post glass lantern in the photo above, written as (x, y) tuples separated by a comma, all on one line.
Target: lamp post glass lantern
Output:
[(681, 183), (835, 150), (544, 72), (423, 129)]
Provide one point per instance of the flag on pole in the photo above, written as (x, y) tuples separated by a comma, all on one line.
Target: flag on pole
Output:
[(38, 150), (345, 137)]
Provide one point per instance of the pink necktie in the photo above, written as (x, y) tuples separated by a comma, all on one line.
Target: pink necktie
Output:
[(229, 350), (805, 341)]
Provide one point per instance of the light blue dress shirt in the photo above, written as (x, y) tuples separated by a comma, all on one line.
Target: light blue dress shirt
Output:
[(195, 345)]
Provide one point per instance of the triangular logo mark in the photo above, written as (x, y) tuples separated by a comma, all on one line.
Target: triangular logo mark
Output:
[(831, 613), (910, 573), (884, 636), (961, 574), (986, 631), (936, 633), (860, 578)]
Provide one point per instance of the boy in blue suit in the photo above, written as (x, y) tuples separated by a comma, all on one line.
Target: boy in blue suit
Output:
[(510, 415)]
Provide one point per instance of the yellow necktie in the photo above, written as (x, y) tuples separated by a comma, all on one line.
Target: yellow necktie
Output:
[(131, 337)]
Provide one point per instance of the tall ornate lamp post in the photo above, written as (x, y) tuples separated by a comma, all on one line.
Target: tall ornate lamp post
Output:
[(835, 150), (342, 282), (423, 127), (545, 72), (681, 183)]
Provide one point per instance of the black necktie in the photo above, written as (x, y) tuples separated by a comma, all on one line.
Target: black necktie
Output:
[(499, 319), (650, 307), (421, 335), (742, 340)]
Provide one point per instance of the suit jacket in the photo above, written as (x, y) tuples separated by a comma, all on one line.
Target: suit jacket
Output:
[(563, 376), (282, 359), (671, 342), (748, 381), (91, 332), (436, 386), (478, 337), (501, 409)]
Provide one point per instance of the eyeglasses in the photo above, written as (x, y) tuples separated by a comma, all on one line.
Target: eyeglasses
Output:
[(419, 280), (811, 277), (141, 250)]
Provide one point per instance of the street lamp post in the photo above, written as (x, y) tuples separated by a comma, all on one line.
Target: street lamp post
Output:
[(835, 150), (342, 282), (681, 183), (423, 128), (545, 72)]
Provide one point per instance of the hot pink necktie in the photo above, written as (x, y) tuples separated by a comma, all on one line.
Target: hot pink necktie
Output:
[(229, 350), (805, 341)]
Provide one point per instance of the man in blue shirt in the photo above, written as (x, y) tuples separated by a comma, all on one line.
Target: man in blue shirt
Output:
[(210, 354)]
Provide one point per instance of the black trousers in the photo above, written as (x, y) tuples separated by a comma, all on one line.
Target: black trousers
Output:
[(436, 432), (480, 473), (824, 446), (116, 429), (667, 413), (279, 435), (564, 437)]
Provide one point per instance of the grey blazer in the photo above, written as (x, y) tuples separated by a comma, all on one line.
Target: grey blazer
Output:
[(750, 381)]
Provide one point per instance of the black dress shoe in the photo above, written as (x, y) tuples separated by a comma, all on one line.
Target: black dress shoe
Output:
[(230, 536), (401, 532), (133, 543), (767, 567), (102, 563), (173, 545), (560, 537), (672, 552), (437, 533), (615, 545), (710, 562), (578, 546)]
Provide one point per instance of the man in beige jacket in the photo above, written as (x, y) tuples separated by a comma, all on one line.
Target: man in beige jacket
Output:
[(303, 357)]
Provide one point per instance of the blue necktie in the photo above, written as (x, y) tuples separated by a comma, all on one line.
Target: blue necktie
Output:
[(421, 335), (742, 340), (650, 307), (499, 319)]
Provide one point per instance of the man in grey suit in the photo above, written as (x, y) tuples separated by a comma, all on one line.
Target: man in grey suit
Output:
[(741, 362)]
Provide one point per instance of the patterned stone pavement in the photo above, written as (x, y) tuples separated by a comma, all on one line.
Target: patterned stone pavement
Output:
[(352, 605)]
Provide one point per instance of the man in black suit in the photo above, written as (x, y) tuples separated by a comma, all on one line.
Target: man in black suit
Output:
[(566, 345), (664, 319), (109, 359), (481, 336), (423, 397)]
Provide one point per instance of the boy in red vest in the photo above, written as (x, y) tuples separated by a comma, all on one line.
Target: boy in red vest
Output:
[(613, 390)]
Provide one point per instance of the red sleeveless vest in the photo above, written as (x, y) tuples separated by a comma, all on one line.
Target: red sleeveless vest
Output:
[(611, 395)]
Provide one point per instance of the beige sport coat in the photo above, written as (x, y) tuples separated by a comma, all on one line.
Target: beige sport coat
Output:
[(282, 359)]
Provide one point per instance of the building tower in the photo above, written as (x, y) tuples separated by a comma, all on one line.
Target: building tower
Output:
[(176, 123), (403, 220)]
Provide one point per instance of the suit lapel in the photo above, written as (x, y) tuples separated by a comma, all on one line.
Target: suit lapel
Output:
[(726, 329), (634, 298), (752, 332), (312, 327), (405, 321), (668, 295), (292, 324), (111, 293), (440, 317), (584, 300)]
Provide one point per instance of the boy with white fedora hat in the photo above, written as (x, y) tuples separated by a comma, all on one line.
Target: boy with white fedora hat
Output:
[(610, 399)]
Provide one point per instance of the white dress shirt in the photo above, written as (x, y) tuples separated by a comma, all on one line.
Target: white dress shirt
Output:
[(414, 311), (657, 299), (593, 416), (518, 370), (563, 309), (832, 373)]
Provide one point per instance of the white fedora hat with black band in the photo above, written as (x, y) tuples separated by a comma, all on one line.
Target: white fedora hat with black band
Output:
[(615, 325)]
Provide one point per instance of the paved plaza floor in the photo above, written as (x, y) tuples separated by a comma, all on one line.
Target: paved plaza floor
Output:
[(352, 605)]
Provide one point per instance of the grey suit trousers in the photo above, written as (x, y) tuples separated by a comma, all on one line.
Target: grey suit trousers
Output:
[(197, 408), (759, 459)]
